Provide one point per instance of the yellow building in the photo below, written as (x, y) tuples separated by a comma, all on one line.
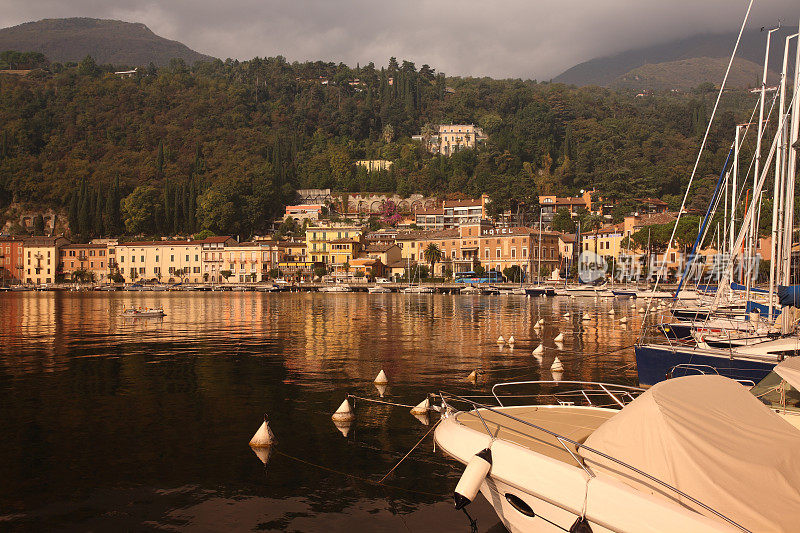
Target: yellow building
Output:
[(89, 259), (247, 262), (319, 237), (165, 261), (42, 259), (341, 254), (455, 137)]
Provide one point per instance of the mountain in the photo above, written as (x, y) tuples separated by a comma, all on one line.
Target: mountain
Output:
[(107, 41), (686, 74), (604, 71)]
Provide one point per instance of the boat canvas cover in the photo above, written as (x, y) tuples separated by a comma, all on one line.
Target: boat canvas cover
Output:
[(789, 369), (710, 438)]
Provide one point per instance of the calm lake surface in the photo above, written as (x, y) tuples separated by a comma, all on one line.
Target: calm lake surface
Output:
[(118, 424)]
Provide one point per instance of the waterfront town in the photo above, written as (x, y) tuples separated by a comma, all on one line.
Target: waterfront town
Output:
[(430, 239)]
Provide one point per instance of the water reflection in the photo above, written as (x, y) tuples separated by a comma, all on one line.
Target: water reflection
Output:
[(124, 424)]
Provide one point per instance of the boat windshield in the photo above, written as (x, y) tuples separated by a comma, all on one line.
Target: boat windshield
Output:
[(772, 389)]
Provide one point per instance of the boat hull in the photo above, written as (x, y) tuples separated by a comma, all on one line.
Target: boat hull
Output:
[(655, 362)]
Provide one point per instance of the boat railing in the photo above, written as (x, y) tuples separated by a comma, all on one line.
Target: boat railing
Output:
[(619, 395), (692, 368), (565, 442)]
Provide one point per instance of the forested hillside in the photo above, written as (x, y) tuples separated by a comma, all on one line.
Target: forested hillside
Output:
[(223, 145)]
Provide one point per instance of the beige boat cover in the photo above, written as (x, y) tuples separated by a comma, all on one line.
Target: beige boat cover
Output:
[(710, 438), (789, 369)]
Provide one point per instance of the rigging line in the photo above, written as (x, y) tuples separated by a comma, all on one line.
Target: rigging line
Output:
[(353, 476), (380, 401), (409, 451), (705, 138)]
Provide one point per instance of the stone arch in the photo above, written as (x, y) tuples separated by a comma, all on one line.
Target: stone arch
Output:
[(403, 206), (430, 203), (416, 206), (375, 207)]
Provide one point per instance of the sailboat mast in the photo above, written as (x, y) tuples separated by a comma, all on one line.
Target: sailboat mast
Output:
[(539, 268)]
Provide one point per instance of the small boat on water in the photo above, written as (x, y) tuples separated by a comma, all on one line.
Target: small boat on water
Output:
[(378, 289), (419, 289), (336, 288), (602, 457), (143, 312)]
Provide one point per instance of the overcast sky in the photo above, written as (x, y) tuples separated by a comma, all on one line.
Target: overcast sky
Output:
[(500, 38)]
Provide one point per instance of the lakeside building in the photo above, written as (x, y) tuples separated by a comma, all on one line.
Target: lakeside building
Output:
[(318, 239), (247, 261), (176, 261), (550, 205), (41, 259), (12, 260), (87, 259), (493, 248)]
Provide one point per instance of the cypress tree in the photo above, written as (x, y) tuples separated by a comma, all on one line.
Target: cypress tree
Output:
[(160, 159), (97, 223), (72, 219)]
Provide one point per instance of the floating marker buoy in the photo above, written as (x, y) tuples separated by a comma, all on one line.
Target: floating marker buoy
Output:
[(501, 340), (539, 349), (557, 376), (343, 426), (623, 320), (472, 478), (559, 337), (511, 340), (263, 453), (343, 413), (586, 316), (381, 388), (264, 436), (641, 309), (538, 357), (421, 408), (473, 376), (423, 419), (557, 366), (381, 377)]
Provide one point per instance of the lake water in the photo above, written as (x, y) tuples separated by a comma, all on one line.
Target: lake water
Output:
[(118, 424)]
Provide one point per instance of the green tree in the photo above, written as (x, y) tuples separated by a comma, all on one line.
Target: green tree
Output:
[(38, 224), (88, 67), (562, 221), (138, 209), (433, 254)]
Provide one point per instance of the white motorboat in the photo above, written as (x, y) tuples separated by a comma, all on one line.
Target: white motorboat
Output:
[(697, 453), (143, 312), (418, 289), (585, 290), (378, 289), (336, 288)]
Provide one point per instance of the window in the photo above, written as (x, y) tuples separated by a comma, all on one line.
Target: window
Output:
[(156, 259), (513, 253), (187, 258), (486, 253), (141, 270), (101, 264), (122, 259), (133, 259), (72, 264), (497, 253), (142, 259), (524, 252), (172, 257)]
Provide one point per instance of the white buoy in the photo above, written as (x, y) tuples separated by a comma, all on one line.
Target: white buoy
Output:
[(559, 337), (473, 377), (586, 316), (343, 413), (539, 349), (557, 376), (623, 320), (381, 377), (264, 436), (641, 309), (501, 340), (422, 407), (425, 420), (381, 388), (343, 426), (511, 341), (471, 480), (557, 366), (263, 453)]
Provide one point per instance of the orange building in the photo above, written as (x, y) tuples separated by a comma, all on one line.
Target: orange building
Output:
[(89, 259), (11, 260)]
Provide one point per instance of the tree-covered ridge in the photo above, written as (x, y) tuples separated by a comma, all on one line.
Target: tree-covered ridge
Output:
[(237, 139)]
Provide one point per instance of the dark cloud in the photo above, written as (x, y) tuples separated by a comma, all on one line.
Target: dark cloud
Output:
[(500, 38)]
